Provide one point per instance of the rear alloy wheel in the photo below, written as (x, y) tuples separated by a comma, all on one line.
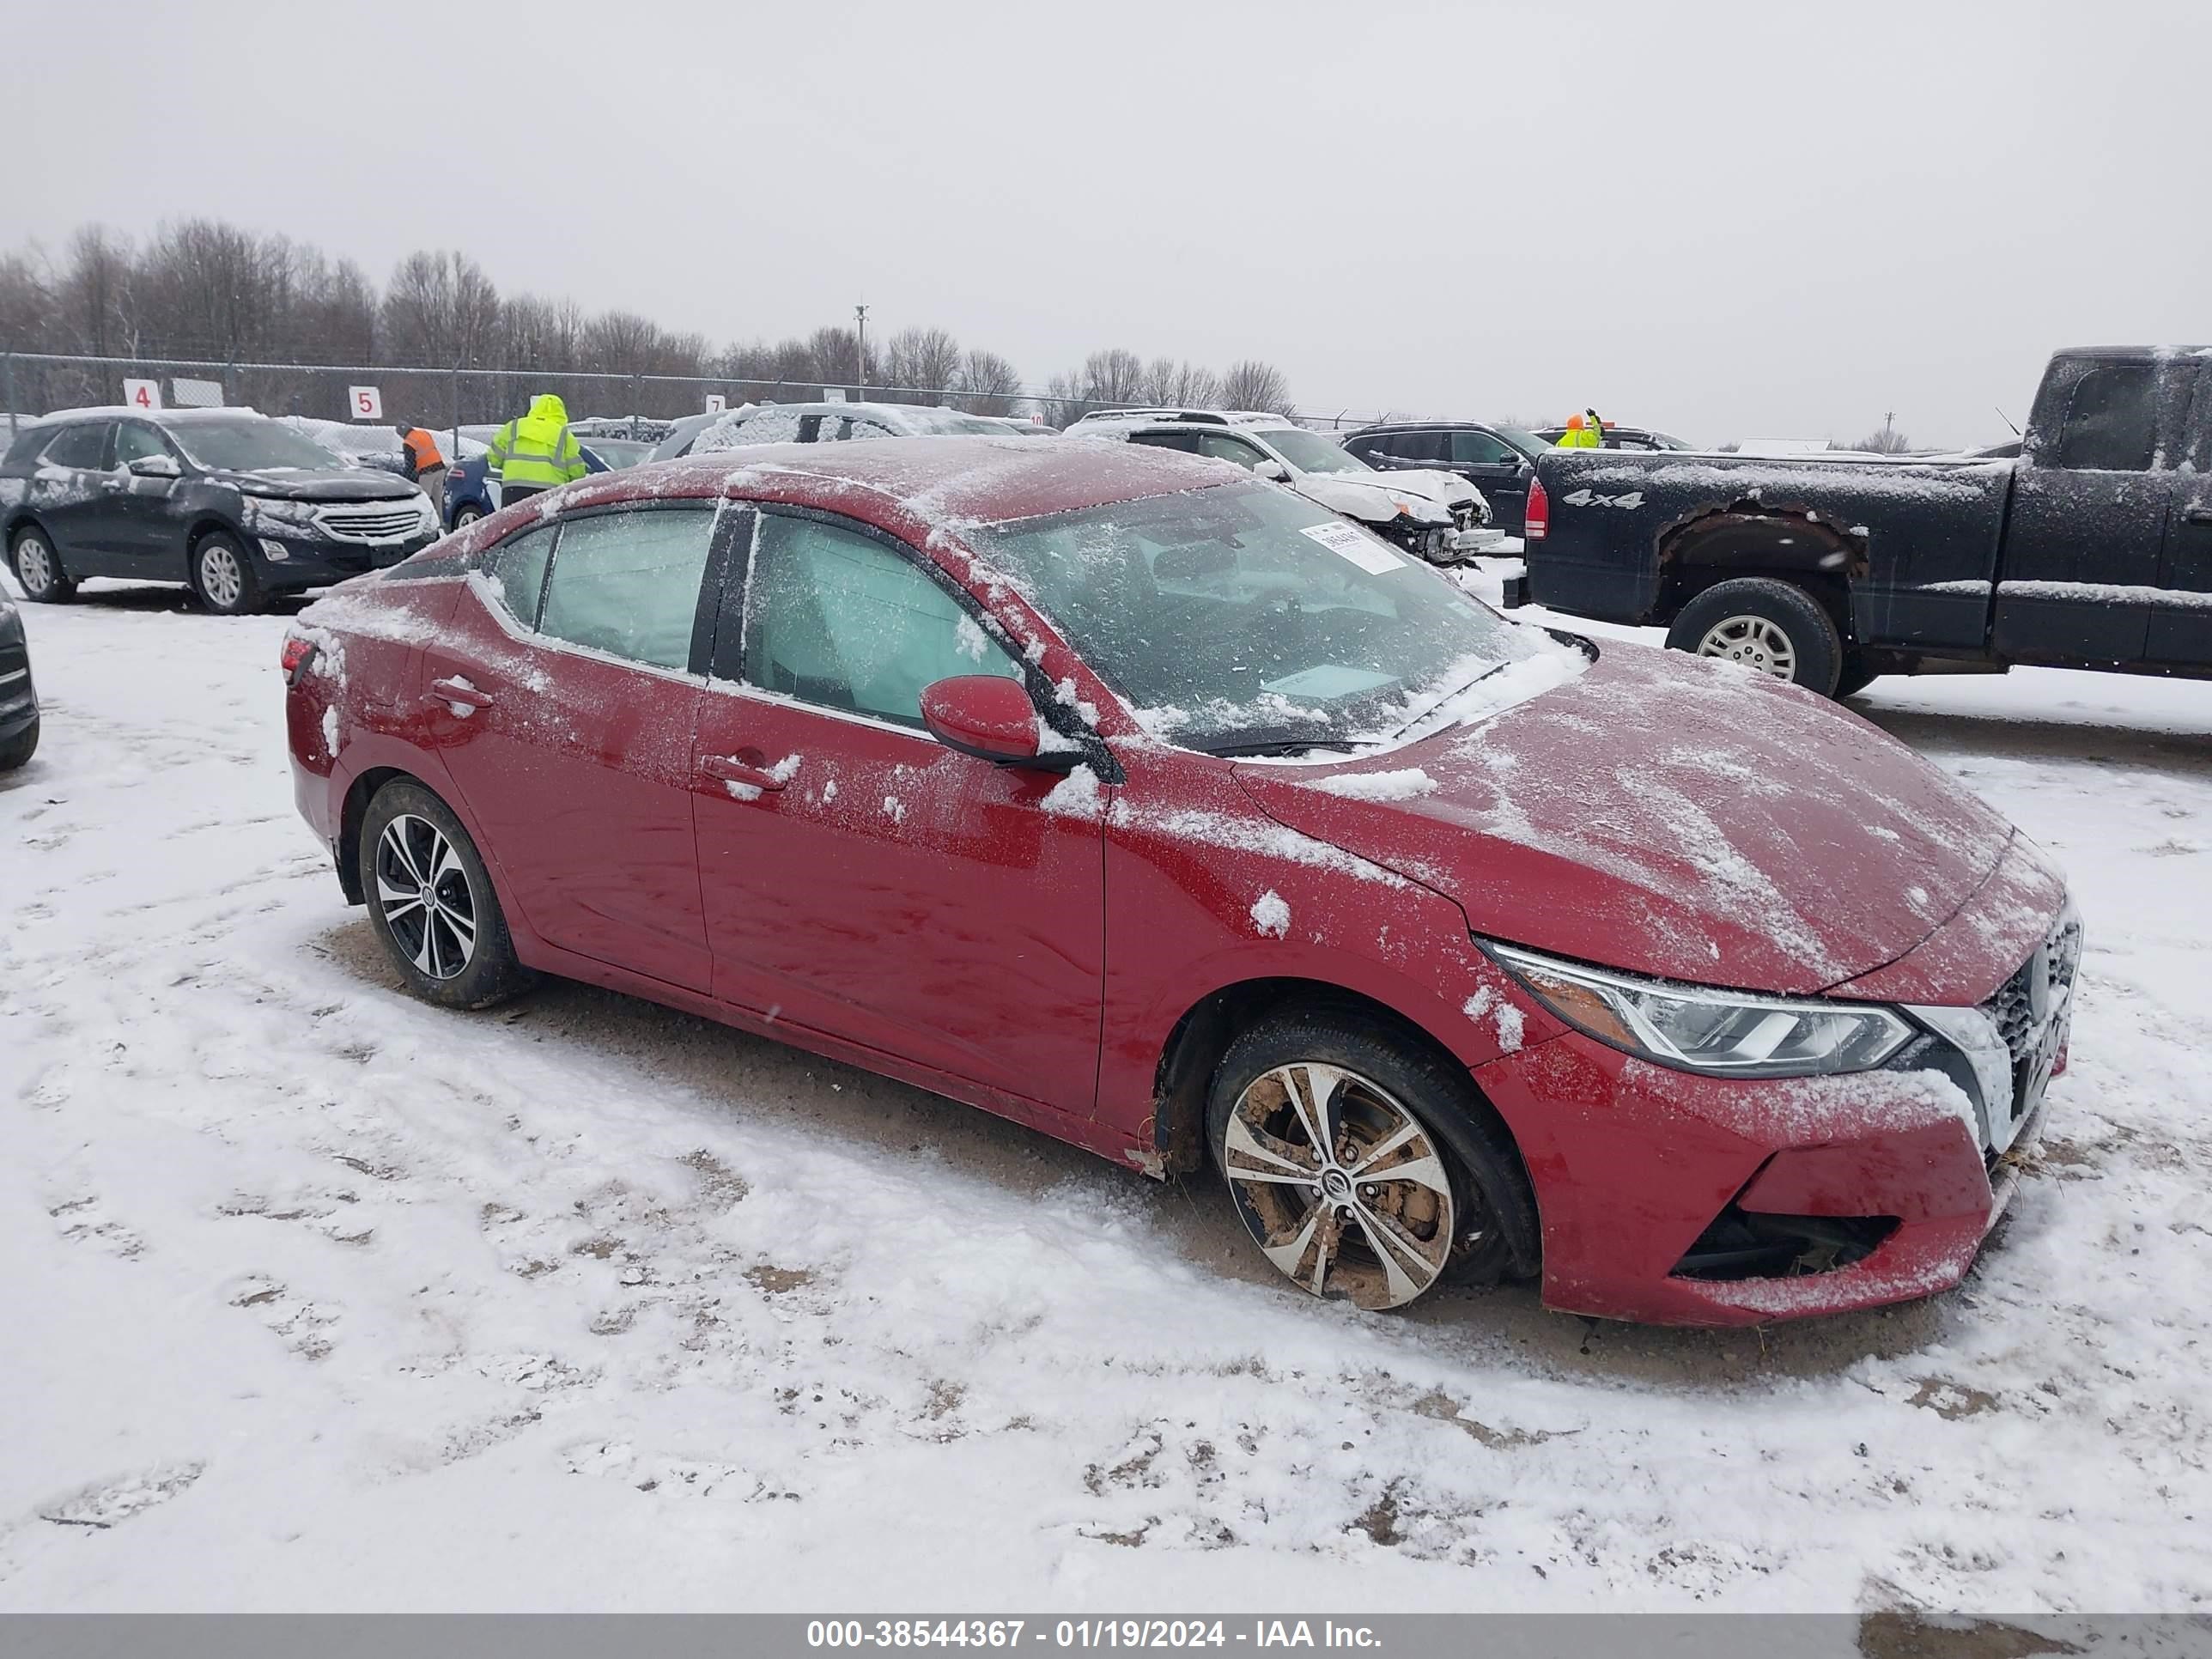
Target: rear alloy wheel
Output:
[(1359, 1163), (223, 577), (465, 516), (431, 903), (39, 570), (1774, 627)]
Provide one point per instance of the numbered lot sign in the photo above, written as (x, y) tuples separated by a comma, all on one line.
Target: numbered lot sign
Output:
[(716, 403), (365, 402), (142, 394)]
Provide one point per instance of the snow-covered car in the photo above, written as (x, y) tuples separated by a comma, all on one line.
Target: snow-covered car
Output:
[(19, 697), (1433, 515), (823, 423)]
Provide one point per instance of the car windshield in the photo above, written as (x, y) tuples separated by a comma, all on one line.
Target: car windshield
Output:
[(250, 446), (1243, 619), (1526, 442), (1309, 451)]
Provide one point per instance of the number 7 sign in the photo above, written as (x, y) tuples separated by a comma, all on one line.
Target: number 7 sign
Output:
[(365, 402)]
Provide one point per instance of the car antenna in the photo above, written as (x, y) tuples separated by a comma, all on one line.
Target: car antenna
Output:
[(2007, 419)]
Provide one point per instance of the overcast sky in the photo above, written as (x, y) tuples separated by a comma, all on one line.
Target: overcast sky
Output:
[(1773, 219)]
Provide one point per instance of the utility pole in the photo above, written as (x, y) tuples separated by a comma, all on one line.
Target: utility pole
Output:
[(1889, 431), (860, 352)]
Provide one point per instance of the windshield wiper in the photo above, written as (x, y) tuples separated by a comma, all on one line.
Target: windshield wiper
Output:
[(1278, 743), (1493, 669)]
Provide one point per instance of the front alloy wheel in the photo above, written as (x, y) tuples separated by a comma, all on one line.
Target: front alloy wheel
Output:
[(422, 890), (1342, 1187), (222, 578)]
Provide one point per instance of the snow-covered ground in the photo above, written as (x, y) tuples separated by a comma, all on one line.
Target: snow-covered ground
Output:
[(316, 1296)]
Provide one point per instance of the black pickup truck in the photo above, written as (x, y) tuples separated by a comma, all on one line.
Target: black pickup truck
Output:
[(2091, 550)]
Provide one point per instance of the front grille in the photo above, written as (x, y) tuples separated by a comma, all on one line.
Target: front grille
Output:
[(2053, 963), (372, 521)]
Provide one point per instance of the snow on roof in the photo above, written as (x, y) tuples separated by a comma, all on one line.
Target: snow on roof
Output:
[(1191, 416), (94, 412)]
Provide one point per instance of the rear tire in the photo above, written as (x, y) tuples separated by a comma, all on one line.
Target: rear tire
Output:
[(38, 569), (19, 749), (1775, 627), (431, 900), (1459, 1203), (465, 516), (224, 579)]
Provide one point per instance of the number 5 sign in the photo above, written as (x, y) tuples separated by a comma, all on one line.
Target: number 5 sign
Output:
[(365, 402), (142, 394)]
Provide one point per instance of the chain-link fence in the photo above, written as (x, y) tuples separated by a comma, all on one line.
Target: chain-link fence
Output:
[(34, 384)]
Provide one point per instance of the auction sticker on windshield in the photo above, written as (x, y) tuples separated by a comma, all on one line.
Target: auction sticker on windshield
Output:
[(1357, 545)]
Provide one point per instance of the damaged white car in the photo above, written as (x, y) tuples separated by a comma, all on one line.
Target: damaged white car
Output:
[(1437, 516)]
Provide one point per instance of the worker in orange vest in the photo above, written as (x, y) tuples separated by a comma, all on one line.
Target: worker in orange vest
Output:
[(426, 467)]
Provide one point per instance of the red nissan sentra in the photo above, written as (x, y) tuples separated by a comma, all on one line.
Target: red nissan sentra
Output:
[(1152, 805)]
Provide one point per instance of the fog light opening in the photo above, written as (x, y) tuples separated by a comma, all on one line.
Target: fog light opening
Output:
[(1751, 1244)]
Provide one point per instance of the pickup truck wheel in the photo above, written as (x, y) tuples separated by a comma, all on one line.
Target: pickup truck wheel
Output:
[(1773, 626), (1856, 676)]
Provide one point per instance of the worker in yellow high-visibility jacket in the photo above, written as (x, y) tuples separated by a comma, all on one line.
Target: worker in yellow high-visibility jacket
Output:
[(1583, 432), (535, 451)]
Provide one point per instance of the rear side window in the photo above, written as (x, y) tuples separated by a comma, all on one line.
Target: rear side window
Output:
[(628, 583), (1417, 445), (518, 570), (78, 446), (1184, 442), (1481, 449), (2112, 420), (837, 619)]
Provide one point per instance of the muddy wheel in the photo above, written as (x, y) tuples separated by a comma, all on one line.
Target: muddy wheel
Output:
[(1775, 627), (1360, 1166), (431, 903), (38, 568)]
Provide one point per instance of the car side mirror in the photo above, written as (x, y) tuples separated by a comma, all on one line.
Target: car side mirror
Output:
[(155, 466), (982, 715), (1272, 470)]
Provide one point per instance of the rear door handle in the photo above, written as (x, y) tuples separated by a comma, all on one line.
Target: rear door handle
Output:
[(728, 768), (460, 691)]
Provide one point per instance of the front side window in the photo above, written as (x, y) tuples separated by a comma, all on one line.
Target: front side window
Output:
[(837, 619), (1243, 615), (628, 583), (1309, 451), (2112, 420), (78, 446), (1470, 448), (134, 442), (517, 569), (1222, 447)]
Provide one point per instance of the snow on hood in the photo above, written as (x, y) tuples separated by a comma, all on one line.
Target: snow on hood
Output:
[(291, 483), (1374, 501), (1670, 816)]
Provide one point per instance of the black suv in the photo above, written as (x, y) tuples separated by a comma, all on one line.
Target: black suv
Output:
[(238, 507), (1498, 460)]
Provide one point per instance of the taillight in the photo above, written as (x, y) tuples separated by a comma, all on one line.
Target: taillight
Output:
[(1536, 524), (297, 654)]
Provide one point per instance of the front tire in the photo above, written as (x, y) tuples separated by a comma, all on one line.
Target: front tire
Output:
[(17, 750), (431, 901), (1774, 627), (38, 569), (1361, 1164), (224, 579)]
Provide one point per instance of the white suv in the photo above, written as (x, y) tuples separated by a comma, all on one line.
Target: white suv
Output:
[(1434, 515)]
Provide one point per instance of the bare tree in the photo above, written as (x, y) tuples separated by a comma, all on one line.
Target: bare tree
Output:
[(1113, 376), (95, 302), (1250, 384), (919, 361), (1180, 385), (441, 308), (988, 383), (1884, 440)]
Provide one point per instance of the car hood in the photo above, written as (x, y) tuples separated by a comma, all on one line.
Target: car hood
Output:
[(317, 484), (1376, 499), (1667, 815)]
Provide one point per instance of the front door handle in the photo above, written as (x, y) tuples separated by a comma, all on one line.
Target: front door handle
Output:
[(2198, 515), (729, 770), (460, 691)]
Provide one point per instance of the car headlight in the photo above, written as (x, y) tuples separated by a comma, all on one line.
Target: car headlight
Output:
[(280, 509), (7, 608), (1729, 1033)]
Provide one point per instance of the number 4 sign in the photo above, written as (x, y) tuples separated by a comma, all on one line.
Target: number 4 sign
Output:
[(365, 402), (142, 394)]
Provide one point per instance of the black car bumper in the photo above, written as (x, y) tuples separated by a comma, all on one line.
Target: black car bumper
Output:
[(19, 697), (285, 561)]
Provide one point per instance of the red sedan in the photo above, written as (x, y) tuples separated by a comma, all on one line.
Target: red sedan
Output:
[(1147, 804)]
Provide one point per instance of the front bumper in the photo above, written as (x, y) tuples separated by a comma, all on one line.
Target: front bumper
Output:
[(286, 557), (1670, 1197), (19, 694)]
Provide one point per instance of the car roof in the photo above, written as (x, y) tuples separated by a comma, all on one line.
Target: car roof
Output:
[(1175, 417), (918, 483), (160, 416)]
